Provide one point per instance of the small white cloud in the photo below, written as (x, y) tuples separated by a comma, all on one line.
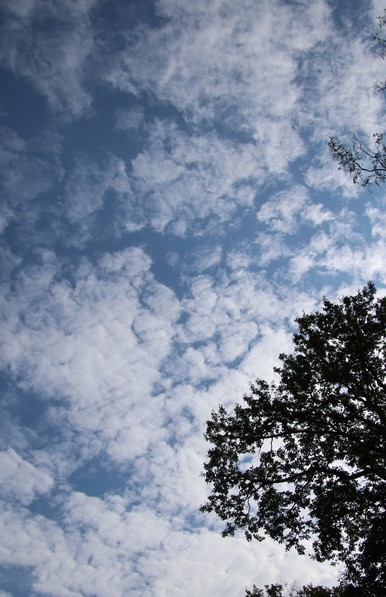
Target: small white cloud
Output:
[(271, 247), (129, 120), (317, 214), (328, 177), (377, 218), (20, 480), (281, 213), (206, 258), (300, 265)]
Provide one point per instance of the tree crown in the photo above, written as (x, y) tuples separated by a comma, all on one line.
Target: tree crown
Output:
[(303, 459)]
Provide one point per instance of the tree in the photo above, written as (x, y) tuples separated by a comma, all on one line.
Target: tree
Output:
[(270, 591), (306, 591), (366, 164), (303, 459)]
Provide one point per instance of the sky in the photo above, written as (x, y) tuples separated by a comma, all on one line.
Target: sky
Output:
[(168, 208)]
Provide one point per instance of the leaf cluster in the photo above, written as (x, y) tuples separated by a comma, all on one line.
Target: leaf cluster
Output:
[(303, 460), (366, 165), (276, 590)]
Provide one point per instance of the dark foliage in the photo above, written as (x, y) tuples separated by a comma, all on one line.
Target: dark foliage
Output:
[(306, 591), (304, 458), (277, 590)]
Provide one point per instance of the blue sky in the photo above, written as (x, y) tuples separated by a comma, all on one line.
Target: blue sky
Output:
[(168, 208)]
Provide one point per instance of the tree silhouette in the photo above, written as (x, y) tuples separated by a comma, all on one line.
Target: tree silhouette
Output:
[(304, 458)]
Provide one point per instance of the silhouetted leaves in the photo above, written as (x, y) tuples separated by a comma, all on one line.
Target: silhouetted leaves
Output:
[(304, 458)]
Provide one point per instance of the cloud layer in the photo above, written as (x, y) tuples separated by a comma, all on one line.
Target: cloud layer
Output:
[(169, 207)]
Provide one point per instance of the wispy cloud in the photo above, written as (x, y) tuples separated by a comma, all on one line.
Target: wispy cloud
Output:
[(20, 480), (49, 44)]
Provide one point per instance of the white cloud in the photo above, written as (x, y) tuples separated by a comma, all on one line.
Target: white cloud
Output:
[(86, 194), (104, 549), (338, 80), (102, 344), (378, 221), (21, 480), (98, 346), (271, 247), (236, 98), (361, 263), (183, 180), (52, 58), (26, 173), (207, 259), (326, 176), (317, 214), (207, 59), (281, 213)]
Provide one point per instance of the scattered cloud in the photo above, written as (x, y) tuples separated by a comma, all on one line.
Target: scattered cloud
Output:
[(20, 480), (48, 44), (169, 208)]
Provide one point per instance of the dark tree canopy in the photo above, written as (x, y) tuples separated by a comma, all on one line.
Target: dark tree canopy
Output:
[(276, 590), (366, 164), (304, 458)]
